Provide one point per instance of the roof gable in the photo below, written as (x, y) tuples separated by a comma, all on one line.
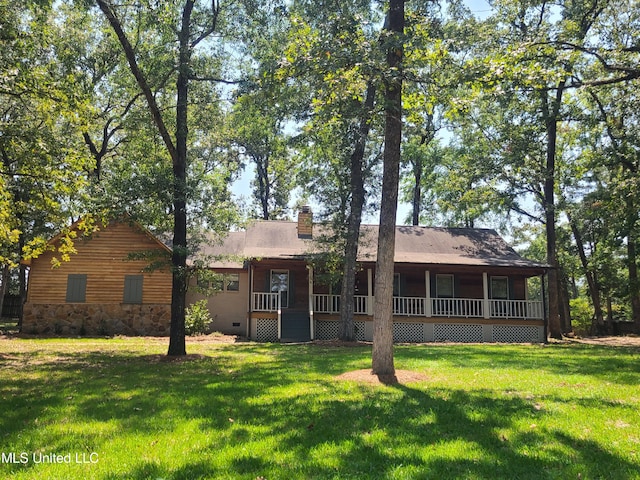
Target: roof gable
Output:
[(142, 238)]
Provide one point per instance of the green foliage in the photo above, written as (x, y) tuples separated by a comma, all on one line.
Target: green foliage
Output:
[(581, 315), (197, 318), (257, 126)]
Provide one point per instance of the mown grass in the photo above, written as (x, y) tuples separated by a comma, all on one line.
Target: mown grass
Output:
[(248, 411)]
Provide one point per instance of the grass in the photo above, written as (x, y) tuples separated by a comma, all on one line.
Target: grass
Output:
[(249, 411)]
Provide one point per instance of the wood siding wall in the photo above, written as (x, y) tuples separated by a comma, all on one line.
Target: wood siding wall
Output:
[(103, 258)]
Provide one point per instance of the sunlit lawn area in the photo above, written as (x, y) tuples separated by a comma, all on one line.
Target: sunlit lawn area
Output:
[(248, 411)]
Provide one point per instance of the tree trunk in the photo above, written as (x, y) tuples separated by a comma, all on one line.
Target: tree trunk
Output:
[(594, 291), (178, 154), (347, 292), (22, 280), (634, 282), (565, 308), (382, 353), (4, 281), (177, 344), (550, 114), (417, 195), (262, 173)]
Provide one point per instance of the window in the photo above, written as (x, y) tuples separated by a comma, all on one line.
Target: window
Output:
[(280, 283), (132, 289), (227, 282), (444, 286), (202, 281), (232, 282), (499, 288), (396, 284), (76, 288)]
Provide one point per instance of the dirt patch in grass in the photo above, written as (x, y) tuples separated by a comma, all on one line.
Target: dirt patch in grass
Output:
[(401, 377), (626, 341)]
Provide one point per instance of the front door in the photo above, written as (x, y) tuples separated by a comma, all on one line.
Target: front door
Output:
[(280, 283)]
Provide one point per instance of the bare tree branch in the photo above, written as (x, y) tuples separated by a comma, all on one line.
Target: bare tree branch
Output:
[(109, 12)]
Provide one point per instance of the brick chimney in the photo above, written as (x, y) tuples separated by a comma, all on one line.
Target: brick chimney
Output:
[(305, 222)]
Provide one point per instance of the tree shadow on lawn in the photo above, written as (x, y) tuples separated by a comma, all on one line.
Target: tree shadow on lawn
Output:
[(613, 364), (403, 433), (321, 429), (284, 416)]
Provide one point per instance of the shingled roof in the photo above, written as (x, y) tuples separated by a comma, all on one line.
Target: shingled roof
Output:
[(414, 245)]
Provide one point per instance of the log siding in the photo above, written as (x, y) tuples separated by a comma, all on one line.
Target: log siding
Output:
[(104, 259)]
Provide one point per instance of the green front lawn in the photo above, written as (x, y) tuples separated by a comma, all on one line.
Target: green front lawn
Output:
[(111, 409)]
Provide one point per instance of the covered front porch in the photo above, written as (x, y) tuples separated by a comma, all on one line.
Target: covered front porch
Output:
[(435, 304)]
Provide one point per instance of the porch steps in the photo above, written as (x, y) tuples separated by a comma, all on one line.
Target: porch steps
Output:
[(295, 327)]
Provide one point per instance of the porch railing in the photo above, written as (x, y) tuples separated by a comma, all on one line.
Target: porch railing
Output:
[(416, 306), (410, 306), (265, 302), (457, 307), (515, 309), (325, 303)]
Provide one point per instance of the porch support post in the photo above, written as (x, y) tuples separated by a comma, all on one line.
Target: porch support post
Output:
[(369, 291), (250, 300), (485, 289), (311, 332), (279, 307), (427, 286)]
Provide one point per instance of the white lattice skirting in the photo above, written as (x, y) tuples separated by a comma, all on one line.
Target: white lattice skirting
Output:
[(517, 334), (329, 330), (446, 332), (267, 329), (408, 332)]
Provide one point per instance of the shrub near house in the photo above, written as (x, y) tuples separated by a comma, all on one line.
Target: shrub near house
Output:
[(102, 290)]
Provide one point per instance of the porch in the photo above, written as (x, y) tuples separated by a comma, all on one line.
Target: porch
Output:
[(426, 306)]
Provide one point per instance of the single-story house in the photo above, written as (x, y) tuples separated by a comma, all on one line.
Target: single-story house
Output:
[(451, 284), (105, 288)]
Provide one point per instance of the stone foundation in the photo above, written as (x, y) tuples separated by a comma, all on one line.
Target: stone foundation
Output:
[(96, 319)]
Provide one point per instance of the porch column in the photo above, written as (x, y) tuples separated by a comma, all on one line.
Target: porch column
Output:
[(250, 300), (427, 286), (279, 307), (251, 272), (311, 333), (369, 291), (485, 288)]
